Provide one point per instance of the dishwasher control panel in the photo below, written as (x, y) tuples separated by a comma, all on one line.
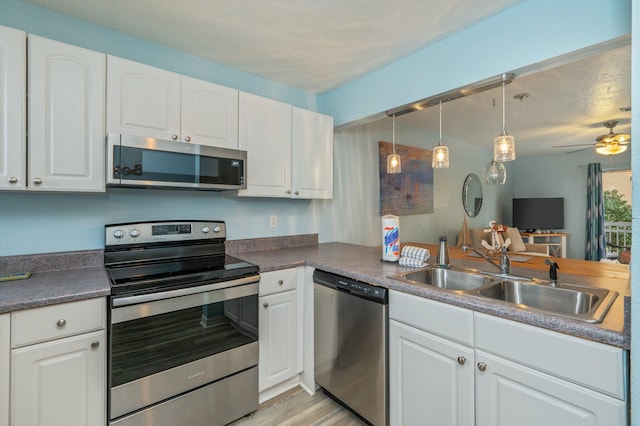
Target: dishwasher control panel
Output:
[(349, 285)]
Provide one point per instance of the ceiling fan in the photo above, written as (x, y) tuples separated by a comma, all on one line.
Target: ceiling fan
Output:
[(608, 144)]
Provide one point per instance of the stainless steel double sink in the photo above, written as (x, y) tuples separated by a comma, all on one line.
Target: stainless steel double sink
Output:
[(577, 302)]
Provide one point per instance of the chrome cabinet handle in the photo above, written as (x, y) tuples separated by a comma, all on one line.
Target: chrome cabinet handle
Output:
[(95, 344), (265, 304), (462, 360), (174, 137), (288, 191), (61, 323), (13, 179), (187, 138), (37, 181), (297, 193), (280, 282), (482, 366)]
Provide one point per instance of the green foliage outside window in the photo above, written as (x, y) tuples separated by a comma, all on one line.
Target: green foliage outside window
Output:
[(617, 209)]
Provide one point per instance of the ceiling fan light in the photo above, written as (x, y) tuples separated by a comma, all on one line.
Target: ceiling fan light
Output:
[(611, 149), (504, 148)]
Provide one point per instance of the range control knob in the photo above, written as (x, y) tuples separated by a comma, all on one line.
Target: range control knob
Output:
[(134, 233), (119, 233), (217, 229), (205, 229)]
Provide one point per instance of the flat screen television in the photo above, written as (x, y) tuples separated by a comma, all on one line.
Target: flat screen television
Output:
[(530, 214)]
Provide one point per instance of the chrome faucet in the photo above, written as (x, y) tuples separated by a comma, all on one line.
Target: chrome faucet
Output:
[(505, 262)]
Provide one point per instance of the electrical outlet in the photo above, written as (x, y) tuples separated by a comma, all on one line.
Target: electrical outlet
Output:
[(274, 221)]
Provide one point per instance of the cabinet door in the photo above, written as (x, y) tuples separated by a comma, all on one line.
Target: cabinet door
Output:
[(209, 114), (142, 100), (312, 155), (510, 394), (66, 117), (430, 379), (265, 133), (278, 324), (5, 356), (60, 383), (13, 86)]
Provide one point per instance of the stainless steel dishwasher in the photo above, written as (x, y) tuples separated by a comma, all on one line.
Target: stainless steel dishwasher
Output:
[(350, 328)]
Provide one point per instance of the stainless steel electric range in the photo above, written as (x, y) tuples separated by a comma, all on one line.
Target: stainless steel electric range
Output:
[(183, 325)]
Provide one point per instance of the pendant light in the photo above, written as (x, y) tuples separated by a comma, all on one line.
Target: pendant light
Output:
[(494, 173), (394, 165), (440, 152), (504, 147)]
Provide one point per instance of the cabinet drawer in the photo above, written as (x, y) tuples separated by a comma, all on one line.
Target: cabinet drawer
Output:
[(56, 321), (439, 318), (595, 365), (277, 281)]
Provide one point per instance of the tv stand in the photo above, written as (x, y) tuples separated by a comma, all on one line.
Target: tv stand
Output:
[(557, 247)]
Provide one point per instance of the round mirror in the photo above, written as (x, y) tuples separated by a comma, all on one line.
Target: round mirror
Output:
[(472, 195)]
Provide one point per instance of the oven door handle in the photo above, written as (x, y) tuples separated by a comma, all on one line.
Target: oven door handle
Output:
[(145, 305)]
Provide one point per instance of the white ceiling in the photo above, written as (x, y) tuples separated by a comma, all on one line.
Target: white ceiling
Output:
[(313, 45), (319, 45)]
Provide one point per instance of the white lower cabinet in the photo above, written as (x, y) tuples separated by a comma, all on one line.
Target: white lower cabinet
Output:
[(60, 382), (430, 378), (58, 365), (510, 394), (497, 373), (5, 356), (280, 331)]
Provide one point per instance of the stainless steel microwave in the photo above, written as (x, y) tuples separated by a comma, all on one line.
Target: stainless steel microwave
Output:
[(135, 161)]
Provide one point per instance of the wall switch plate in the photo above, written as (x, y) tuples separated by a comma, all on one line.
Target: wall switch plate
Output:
[(274, 221)]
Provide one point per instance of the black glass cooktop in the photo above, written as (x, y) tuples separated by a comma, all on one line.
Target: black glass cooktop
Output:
[(162, 275)]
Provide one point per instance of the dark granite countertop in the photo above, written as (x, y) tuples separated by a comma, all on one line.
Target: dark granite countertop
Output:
[(364, 264), (52, 287), (67, 277)]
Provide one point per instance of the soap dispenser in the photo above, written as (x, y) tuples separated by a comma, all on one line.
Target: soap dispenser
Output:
[(442, 260)]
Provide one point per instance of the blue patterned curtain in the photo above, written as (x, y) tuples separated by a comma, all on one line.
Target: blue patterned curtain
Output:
[(595, 247)]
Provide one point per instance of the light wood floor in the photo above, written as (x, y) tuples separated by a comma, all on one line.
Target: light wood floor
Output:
[(298, 408)]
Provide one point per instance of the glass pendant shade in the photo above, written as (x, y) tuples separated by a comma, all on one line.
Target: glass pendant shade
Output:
[(394, 164), (440, 158), (495, 173), (504, 148)]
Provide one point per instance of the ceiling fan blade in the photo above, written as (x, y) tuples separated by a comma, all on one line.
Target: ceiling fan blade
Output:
[(578, 144), (578, 150)]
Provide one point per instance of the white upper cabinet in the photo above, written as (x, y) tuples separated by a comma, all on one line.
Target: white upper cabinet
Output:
[(209, 114), (142, 100), (290, 150), (13, 77), (265, 133), (66, 117), (152, 102), (312, 155)]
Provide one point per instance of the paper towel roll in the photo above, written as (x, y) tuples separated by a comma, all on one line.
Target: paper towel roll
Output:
[(390, 238)]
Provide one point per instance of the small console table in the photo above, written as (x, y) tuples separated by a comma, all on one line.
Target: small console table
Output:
[(557, 248)]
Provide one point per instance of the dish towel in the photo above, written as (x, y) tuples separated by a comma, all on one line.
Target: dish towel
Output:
[(414, 257)]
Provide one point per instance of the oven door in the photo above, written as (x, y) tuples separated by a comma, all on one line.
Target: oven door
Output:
[(147, 162), (165, 344)]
